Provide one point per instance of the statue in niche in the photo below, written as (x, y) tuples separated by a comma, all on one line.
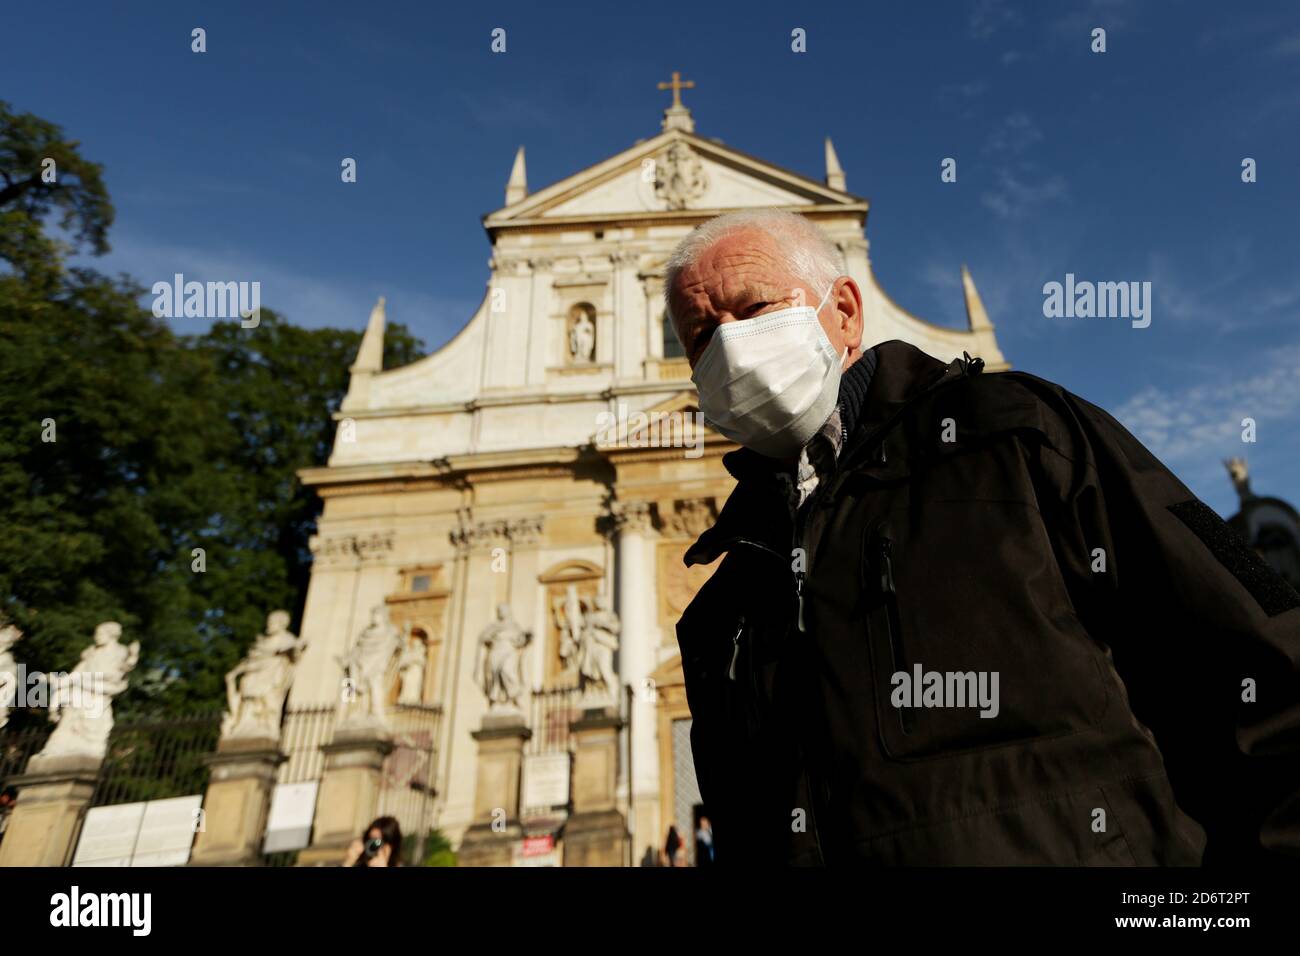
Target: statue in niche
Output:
[(589, 631), (582, 337), (410, 671)]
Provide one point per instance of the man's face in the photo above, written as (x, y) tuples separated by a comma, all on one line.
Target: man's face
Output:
[(743, 275)]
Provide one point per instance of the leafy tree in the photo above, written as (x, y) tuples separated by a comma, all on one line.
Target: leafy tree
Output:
[(31, 190), (124, 448)]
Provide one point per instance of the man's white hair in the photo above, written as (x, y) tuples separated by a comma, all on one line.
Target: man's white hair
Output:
[(806, 250)]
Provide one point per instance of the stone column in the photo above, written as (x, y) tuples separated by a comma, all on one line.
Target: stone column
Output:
[(349, 792), (491, 838), (596, 833), (482, 589), (53, 796), (634, 566), (237, 802)]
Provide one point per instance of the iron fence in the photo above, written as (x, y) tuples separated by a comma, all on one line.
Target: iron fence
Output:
[(303, 732), (408, 784), (19, 746), (154, 758), (550, 714)]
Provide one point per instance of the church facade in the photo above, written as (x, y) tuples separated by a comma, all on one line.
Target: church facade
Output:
[(486, 473)]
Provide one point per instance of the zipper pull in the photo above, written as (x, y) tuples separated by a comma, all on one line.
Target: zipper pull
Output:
[(886, 567), (798, 590), (735, 653)]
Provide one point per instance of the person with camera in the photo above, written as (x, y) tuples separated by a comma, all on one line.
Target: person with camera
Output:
[(380, 846)]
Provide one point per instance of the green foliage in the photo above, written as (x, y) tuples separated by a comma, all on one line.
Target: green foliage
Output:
[(76, 199), (163, 444), (437, 850)]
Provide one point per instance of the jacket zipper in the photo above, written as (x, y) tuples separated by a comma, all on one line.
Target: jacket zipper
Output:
[(735, 652), (884, 554)]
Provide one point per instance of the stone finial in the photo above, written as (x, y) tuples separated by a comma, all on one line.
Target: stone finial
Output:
[(370, 357), (517, 187), (370, 360), (834, 172), (976, 317)]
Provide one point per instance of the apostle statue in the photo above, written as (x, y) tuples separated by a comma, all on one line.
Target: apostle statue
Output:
[(599, 641), (81, 704), (410, 671), (366, 667), (258, 685), (499, 663), (9, 636), (568, 621), (582, 339)]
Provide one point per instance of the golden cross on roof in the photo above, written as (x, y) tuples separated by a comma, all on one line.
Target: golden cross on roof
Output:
[(677, 85)]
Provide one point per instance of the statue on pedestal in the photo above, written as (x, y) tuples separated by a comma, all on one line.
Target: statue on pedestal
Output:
[(410, 670), (598, 642), (9, 636), (81, 704), (258, 685), (500, 661), (366, 668), (568, 621)]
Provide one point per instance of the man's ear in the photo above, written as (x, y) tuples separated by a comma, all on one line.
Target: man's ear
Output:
[(848, 302)]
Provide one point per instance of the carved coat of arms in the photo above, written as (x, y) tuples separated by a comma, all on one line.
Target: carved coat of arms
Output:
[(680, 177)]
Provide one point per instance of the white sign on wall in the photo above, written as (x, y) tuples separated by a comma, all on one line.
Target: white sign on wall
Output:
[(108, 835), (167, 831), (546, 781), (150, 833), (293, 808)]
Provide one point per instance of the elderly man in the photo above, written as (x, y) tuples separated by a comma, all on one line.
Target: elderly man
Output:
[(963, 618)]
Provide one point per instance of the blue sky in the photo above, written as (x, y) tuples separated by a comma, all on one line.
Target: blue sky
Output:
[(1122, 166)]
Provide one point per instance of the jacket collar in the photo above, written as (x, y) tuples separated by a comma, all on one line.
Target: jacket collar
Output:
[(756, 511)]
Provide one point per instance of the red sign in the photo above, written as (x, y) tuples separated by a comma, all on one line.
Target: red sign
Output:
[(537, 846)]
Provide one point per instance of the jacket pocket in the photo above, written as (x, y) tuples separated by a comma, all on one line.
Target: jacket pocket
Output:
[(960, 657)]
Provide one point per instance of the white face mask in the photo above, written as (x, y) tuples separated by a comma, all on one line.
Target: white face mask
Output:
[(771, 381)]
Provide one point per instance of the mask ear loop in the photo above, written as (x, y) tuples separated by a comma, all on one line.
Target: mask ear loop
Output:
[(827, 296)]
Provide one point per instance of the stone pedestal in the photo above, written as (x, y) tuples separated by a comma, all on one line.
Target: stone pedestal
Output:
[(237, 802), (596, 833), (53, 796), (349, 792), (491, 838)]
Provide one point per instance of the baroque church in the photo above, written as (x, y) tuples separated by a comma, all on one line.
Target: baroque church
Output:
[(480, 476)]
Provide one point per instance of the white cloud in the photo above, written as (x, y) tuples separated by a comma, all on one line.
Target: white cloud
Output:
[(987, 17), (1202, 421), (1015, 196), (1015, 134)]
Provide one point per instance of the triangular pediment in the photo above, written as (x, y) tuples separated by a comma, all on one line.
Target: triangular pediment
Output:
[(675, 174), (669, 423)]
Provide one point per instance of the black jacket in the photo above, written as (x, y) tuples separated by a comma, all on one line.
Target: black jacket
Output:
[(981, 524)]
